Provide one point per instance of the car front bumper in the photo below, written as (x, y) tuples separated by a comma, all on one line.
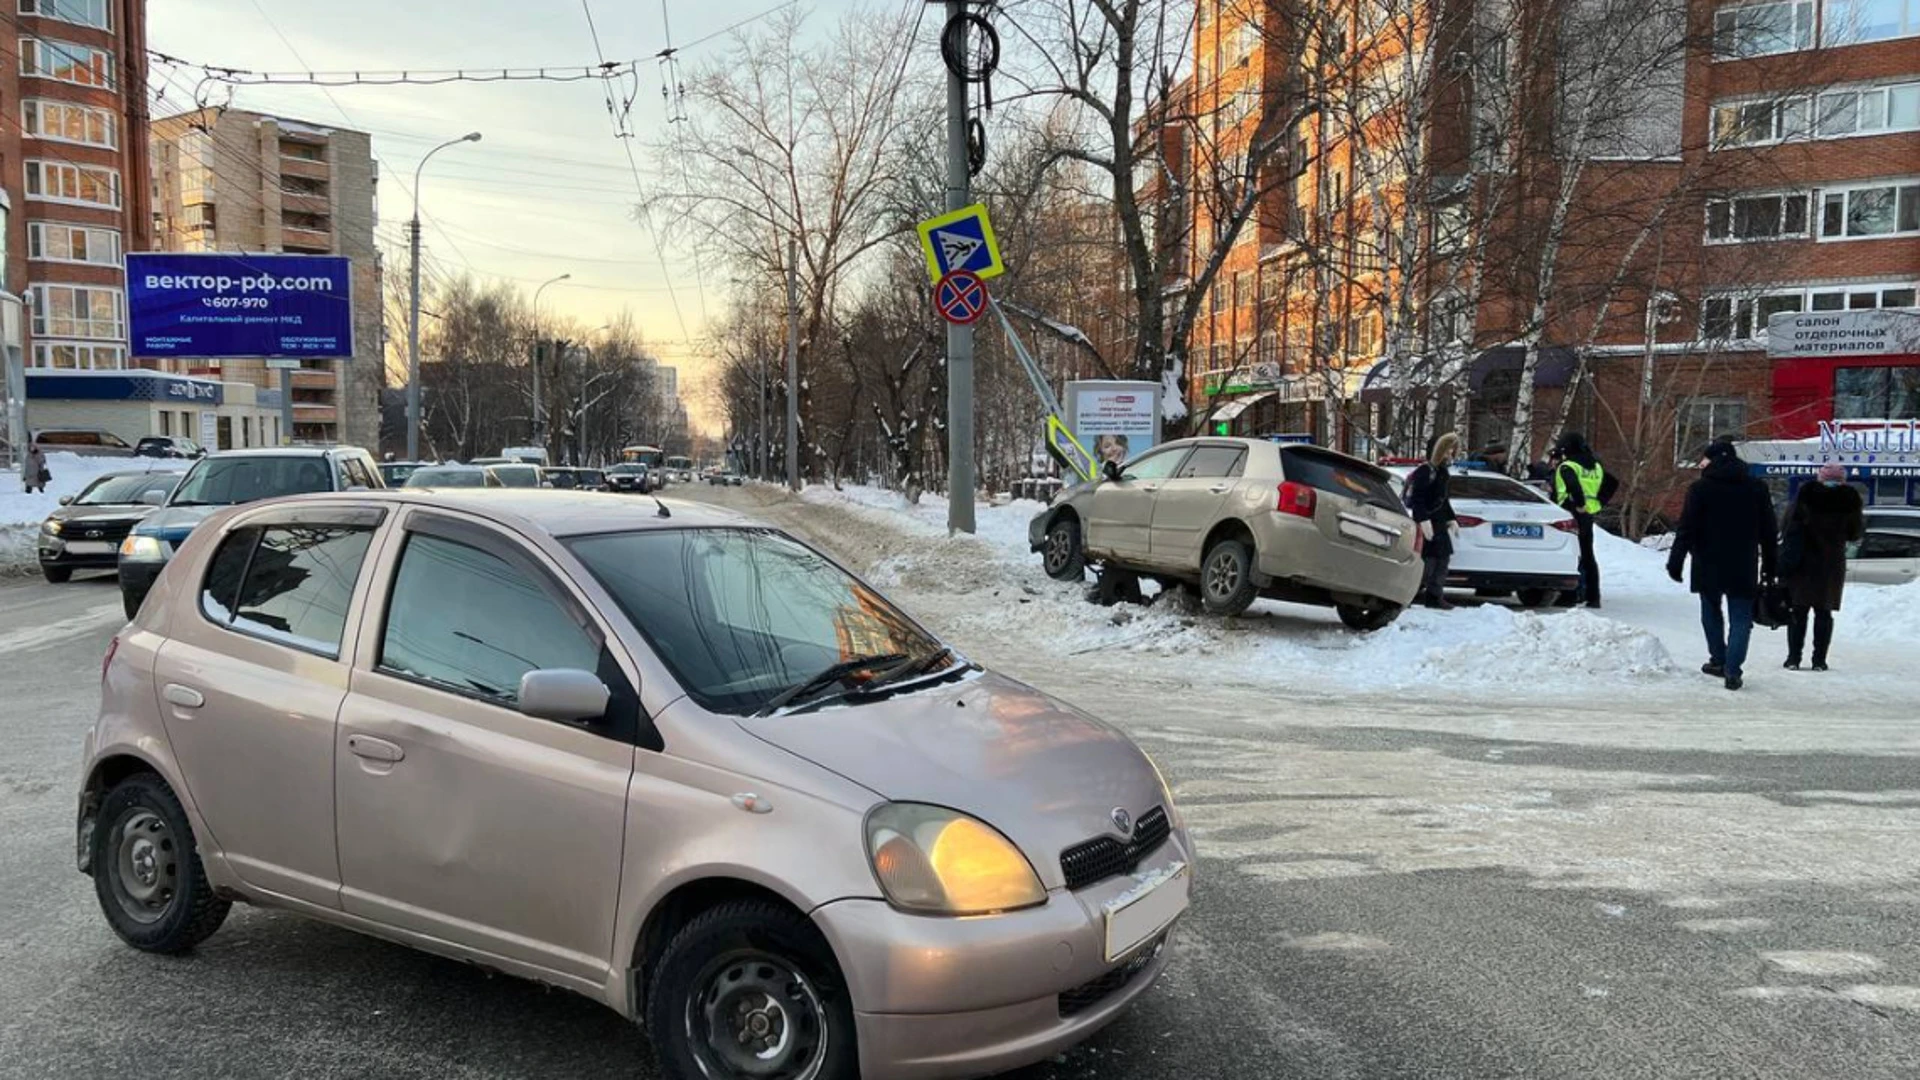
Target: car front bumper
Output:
[(60, 553), (945, 997), (137, 578)]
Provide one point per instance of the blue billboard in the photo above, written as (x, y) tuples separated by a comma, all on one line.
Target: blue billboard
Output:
[(223, 304)]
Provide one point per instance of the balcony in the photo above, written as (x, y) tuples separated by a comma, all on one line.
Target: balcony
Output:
[(305, 239), (315, 379), (301, 202), (312, 170), (304, 413)]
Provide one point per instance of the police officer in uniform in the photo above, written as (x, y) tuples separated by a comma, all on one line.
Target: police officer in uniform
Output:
[(1582, 487)]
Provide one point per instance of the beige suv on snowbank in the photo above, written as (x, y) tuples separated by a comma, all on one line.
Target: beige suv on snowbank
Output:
[(1242, 518), (658, 755)]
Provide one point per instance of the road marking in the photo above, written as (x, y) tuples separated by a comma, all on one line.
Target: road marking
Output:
[(30, 638)]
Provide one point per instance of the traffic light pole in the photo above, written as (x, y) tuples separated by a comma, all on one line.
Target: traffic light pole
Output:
[(960, 479)]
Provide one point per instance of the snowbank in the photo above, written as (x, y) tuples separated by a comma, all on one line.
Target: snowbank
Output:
[(1888, 612)]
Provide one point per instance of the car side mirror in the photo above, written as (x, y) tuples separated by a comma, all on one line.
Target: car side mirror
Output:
[(66, 500), (1110, 471), (153, 498), (566, 694)]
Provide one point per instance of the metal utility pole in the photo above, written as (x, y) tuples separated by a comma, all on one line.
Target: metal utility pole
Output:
[(793, 363), (413, 308), (539, 348), (959, 338)]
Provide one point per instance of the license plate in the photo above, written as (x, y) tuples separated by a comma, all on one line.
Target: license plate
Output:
[(1146, 909), (91, 547), (1503, 530), (1365, 535)]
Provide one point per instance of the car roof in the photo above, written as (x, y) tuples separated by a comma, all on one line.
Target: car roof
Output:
[(286, 451), (554, 511)]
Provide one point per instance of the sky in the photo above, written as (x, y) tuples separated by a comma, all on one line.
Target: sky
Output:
[(547, 191)]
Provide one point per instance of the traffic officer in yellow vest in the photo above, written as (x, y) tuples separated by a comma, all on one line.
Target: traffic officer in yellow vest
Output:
[(1582, 487)]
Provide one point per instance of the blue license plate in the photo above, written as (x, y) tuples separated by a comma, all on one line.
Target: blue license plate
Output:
[(1503, 529)]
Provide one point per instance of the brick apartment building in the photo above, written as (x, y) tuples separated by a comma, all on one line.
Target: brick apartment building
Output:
[(1768, 164), (232, 180)]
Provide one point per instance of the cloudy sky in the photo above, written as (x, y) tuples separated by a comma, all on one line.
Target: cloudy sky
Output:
[(547, 191)]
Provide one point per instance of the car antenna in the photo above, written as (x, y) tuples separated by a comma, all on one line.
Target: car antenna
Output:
[(664, 512)]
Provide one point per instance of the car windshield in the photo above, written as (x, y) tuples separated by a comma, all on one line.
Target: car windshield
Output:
[(517, 476), (1492, 489), (447, 478), (226, 481), (626, 470), (741, 616), (124, 490), (396, 475)]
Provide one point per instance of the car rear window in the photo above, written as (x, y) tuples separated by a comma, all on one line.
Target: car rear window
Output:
[(1492, 489), (1339, 475)]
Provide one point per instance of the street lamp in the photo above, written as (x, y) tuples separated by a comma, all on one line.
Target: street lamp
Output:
[(539, 419), (413, 314)]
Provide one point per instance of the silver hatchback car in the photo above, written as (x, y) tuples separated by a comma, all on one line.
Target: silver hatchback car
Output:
[(661, 756), (1239, 519)]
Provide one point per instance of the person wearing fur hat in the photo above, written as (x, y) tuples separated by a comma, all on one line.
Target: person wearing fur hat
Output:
[(1432, 510), (1827, 515)]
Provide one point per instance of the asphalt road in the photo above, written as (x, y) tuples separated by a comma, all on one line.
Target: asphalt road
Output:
[(1386, 890)]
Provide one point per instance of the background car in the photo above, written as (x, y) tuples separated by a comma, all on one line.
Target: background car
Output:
[(85, 533), (1512, 538), (1886, 555), (168, 446), (453, 476), (1241, 518), (395, 473), (574, 478), (515, 475), (629, 476), (225, 479), (86, 442), (357, 707)]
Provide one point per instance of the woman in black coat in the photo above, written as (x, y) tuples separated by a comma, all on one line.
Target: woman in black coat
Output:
[(1432, 509), (1826, 517)]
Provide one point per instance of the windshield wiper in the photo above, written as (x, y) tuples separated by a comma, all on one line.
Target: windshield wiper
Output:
[(827, 677), (913, 669)]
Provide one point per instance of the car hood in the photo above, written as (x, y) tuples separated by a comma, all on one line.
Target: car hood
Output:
[(104, 512), (1045, 774), (173, 523)]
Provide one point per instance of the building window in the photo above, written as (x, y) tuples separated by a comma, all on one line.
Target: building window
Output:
[(95, 13), (78, 311), (1754, 123), (1363, 335), (1744, 318), (1702, 420), (1762, 29), (53, 242), (78, 356), (1876, 393), (1868, 110), (66, 122), (1756, 217), (1858, 298), (1849, 22), (86, 185), (1269, 357), (1879, 210), (67, 62)]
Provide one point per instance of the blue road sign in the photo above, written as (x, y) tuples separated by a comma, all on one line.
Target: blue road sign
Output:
[(962, 240)]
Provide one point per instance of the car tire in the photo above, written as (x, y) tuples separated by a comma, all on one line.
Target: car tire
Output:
[(146, 869), (1061, 554), (56, 575), (1532, 598), (1367, 618), (1226, 578), (764, 973), (131, 604)]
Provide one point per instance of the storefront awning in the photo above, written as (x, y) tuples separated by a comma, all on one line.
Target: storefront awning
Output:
[(1231, 410)]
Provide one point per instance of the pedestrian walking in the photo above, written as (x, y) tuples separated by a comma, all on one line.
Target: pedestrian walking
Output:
[(1728, 529), (1582, 487), (36, 476), (1432, 510), (1826, 517)]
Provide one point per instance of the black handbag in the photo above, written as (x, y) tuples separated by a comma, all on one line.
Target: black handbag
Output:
[(1773, 608)]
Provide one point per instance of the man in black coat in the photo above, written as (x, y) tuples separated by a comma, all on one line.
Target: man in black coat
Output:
[(1728, 528)]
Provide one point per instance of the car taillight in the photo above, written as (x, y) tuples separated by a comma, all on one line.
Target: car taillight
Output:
[(1468, 521), (1296, 499), (107, 660), (1567, 525)]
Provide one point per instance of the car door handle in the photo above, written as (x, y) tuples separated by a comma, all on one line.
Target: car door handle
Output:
[(184, 696), (1220, 489), (373, 749), (1149, 488)]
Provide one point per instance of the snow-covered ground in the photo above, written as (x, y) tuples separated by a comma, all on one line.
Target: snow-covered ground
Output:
[(21, 513), (1647, 636)]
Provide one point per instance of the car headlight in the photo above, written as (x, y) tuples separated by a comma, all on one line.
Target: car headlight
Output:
[(939, 861), (51, 527), (143, 547)]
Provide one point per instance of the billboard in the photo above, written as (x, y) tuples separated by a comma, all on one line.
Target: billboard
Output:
[(222, 304), (1116, 420)]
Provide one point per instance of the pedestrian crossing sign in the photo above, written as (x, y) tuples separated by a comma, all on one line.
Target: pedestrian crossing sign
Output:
[(961, 240)]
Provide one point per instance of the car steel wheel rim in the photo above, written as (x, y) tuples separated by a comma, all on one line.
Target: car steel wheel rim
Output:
[(754, 1015), (1223, 575), (145, 866)]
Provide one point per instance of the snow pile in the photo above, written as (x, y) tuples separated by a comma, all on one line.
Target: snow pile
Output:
[(1887, 612), (1002, 528), (71, 472), (1629, 568)]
